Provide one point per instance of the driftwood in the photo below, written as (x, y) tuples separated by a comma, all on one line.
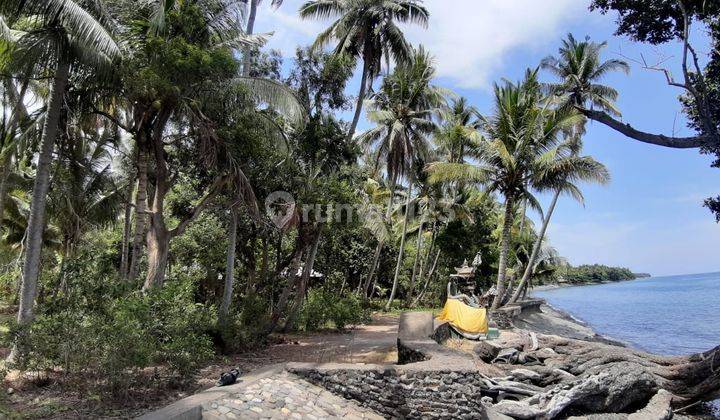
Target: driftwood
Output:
[(580, 377)]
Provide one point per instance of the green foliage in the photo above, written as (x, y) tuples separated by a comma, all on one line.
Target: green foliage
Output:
[(323, 306), (596, 273), (103, 329)]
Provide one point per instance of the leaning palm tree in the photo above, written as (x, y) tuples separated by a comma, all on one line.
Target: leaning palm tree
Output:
[(579, 70), (366, 29), (402, 111), (63, 36), (524, 139), (564, 170)]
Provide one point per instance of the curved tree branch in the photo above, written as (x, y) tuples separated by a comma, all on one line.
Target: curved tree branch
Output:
[(657, 139)]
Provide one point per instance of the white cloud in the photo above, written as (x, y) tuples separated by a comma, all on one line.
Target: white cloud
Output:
[(470, 39)]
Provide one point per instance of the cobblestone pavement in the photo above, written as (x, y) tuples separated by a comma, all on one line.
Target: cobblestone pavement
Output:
[(284, 395)]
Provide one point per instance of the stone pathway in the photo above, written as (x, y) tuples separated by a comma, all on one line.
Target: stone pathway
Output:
[(283, 395)]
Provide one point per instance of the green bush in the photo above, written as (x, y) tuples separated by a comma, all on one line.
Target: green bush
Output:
[(244, 329), (323, 307), (104, 330)]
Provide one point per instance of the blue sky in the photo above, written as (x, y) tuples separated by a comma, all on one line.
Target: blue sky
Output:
[(650, 218)]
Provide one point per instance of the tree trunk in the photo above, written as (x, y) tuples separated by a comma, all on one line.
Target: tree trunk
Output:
[(504, 248), (381, 244), (158, 250), (396, 277), (140, 211), (427, 281), (536, 248), (265, 259), (360, 99), (428, 255), (418, 246), (249, 30), (229, 266), (373, 268), (127, 229), (36, 221), (285, 295), (4, 176), (304, 281)]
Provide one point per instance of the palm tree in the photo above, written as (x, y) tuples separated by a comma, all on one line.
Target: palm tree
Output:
[(86, 195), (523, 145), (566, 169), (402, 111), (459, 128), (366, 29), (63, 36), (580, 69)]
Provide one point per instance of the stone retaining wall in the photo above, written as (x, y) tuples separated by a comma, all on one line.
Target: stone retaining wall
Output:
[(399, 393)]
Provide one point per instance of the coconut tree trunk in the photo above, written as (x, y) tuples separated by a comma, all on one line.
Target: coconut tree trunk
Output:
[(424, 264), (381, 244), (536, 248), (36, 221), (4, 176), (249, 30), (229, 267), (302, 289), (427, 280), (373, 268), (418, 246), (127, 229), (504, 248), (401, 252), (140, 213), (285, 295), (361, 97)]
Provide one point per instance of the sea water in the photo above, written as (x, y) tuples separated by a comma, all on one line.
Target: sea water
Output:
[(671, 315)]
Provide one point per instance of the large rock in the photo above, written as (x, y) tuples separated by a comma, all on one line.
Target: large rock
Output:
[(415, 326), (658, 408), (486, 351)]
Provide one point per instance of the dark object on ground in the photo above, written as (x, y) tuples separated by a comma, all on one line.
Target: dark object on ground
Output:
[(229, 378)]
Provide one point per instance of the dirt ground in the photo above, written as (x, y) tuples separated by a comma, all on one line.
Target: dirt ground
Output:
[(48, 396)]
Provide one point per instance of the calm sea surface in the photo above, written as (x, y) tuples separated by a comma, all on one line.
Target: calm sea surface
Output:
[(666, 315)]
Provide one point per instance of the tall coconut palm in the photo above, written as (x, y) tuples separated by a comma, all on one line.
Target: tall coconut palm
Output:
[(64, 36), (459, 127), (402, 111), (524, 139), (579, 70), (564, 170), (366, 29)]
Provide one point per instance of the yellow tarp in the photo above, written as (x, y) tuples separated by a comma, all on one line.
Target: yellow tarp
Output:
[(466, 318)]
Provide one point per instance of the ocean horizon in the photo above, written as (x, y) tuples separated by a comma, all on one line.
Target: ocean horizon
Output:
[(670, 315)]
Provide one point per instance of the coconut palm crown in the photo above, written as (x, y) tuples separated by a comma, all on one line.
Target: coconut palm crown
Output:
[(525, 149), (367, 29)]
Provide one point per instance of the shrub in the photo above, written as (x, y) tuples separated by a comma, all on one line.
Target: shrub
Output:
[(103, 330), (323, 306)]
